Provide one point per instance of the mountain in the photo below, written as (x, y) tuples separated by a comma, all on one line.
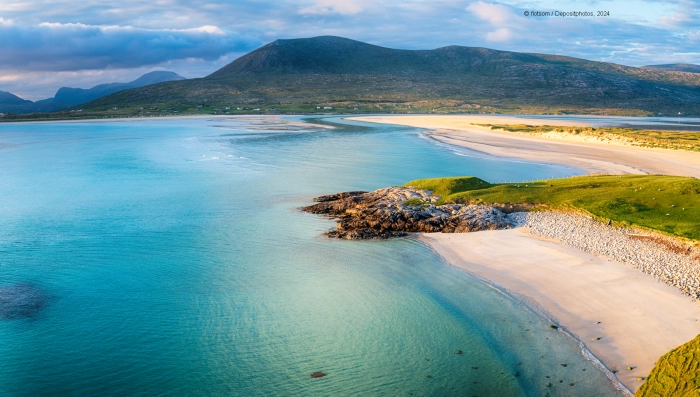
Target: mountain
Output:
[(299, 74), (66, 97), (76, 96), (10, 103), (10, 99), (677, 67)]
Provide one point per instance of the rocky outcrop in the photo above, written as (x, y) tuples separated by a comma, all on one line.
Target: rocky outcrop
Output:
[(396, 211)]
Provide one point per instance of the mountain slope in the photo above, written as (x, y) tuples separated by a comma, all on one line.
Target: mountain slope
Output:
[(677, 67), (7, 98), (336, 70)]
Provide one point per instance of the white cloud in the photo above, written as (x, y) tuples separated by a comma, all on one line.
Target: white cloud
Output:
[(342, 7), (502, 34), (78, 46), (496, 14)]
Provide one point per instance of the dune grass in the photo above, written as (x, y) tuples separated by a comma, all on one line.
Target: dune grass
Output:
[(677, 373), (677, 140), (668, 204)]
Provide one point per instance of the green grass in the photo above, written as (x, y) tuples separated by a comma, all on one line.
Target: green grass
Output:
[(647, 138), (677, 373), (668, 204)]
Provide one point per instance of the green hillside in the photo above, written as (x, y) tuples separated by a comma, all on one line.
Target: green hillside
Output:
[(669, 204), (676, 374)]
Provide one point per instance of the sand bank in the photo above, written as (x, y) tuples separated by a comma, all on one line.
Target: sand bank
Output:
[(589, 155), (262, 121), (637, 318)]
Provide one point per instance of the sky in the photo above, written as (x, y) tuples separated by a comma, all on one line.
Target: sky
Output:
[(45, 45)]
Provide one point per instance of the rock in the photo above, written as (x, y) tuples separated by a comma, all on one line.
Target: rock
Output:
[(396, 211)]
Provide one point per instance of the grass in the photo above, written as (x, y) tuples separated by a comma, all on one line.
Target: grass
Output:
[(668, 204), (647, 138), (677, 373)]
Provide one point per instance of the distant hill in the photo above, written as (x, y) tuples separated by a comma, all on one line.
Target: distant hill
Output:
[(76, 96), (66, 97), (344, 74), (10, 99), (677, 67)]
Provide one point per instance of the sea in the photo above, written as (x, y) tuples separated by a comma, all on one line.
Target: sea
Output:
[(170, 257)]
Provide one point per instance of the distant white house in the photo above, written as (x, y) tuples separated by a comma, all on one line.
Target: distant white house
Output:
[(328, 107)]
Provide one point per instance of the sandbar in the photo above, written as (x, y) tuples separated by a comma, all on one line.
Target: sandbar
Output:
[(592, 156)]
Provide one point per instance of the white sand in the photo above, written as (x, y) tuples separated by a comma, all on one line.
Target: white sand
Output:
[(592, 156), (640, 318)]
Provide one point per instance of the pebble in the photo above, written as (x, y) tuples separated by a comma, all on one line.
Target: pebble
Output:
[(678, 269)]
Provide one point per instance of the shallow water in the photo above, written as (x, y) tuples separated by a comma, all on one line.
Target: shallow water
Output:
[(175, 261)]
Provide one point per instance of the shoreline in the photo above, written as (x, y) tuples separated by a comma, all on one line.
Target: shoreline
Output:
[(252, 120), (620, 316), (637, 318), (592, 157), (536, 309)]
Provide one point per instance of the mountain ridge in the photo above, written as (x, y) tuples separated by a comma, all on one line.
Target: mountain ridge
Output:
[(66, 97), (676, 67), (298, 75)]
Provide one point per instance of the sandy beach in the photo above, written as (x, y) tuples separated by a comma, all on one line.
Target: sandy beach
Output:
[(588, 155), (637, 318)]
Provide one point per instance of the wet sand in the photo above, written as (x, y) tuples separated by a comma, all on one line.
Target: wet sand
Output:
[(592, 156)]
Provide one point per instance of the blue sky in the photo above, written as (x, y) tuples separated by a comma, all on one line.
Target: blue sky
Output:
[(48, 44)]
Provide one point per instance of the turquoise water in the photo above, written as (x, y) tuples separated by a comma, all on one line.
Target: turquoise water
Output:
[(172, 259)]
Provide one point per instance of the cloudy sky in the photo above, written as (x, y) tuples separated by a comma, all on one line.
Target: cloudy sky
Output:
[(48, 44)]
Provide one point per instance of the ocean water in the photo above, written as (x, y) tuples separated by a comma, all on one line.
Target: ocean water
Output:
[(170, 258)]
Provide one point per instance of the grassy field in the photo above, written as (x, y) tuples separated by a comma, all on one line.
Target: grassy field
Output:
[(677, 373), (367, 106), (646, 138), (668, 204)]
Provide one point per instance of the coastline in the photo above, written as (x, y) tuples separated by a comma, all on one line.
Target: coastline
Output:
[(262, 120), (637, 318), (591, 156), (621, 316)]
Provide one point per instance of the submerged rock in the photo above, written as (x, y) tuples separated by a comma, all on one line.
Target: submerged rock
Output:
[(396, 211), (21, 300)]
